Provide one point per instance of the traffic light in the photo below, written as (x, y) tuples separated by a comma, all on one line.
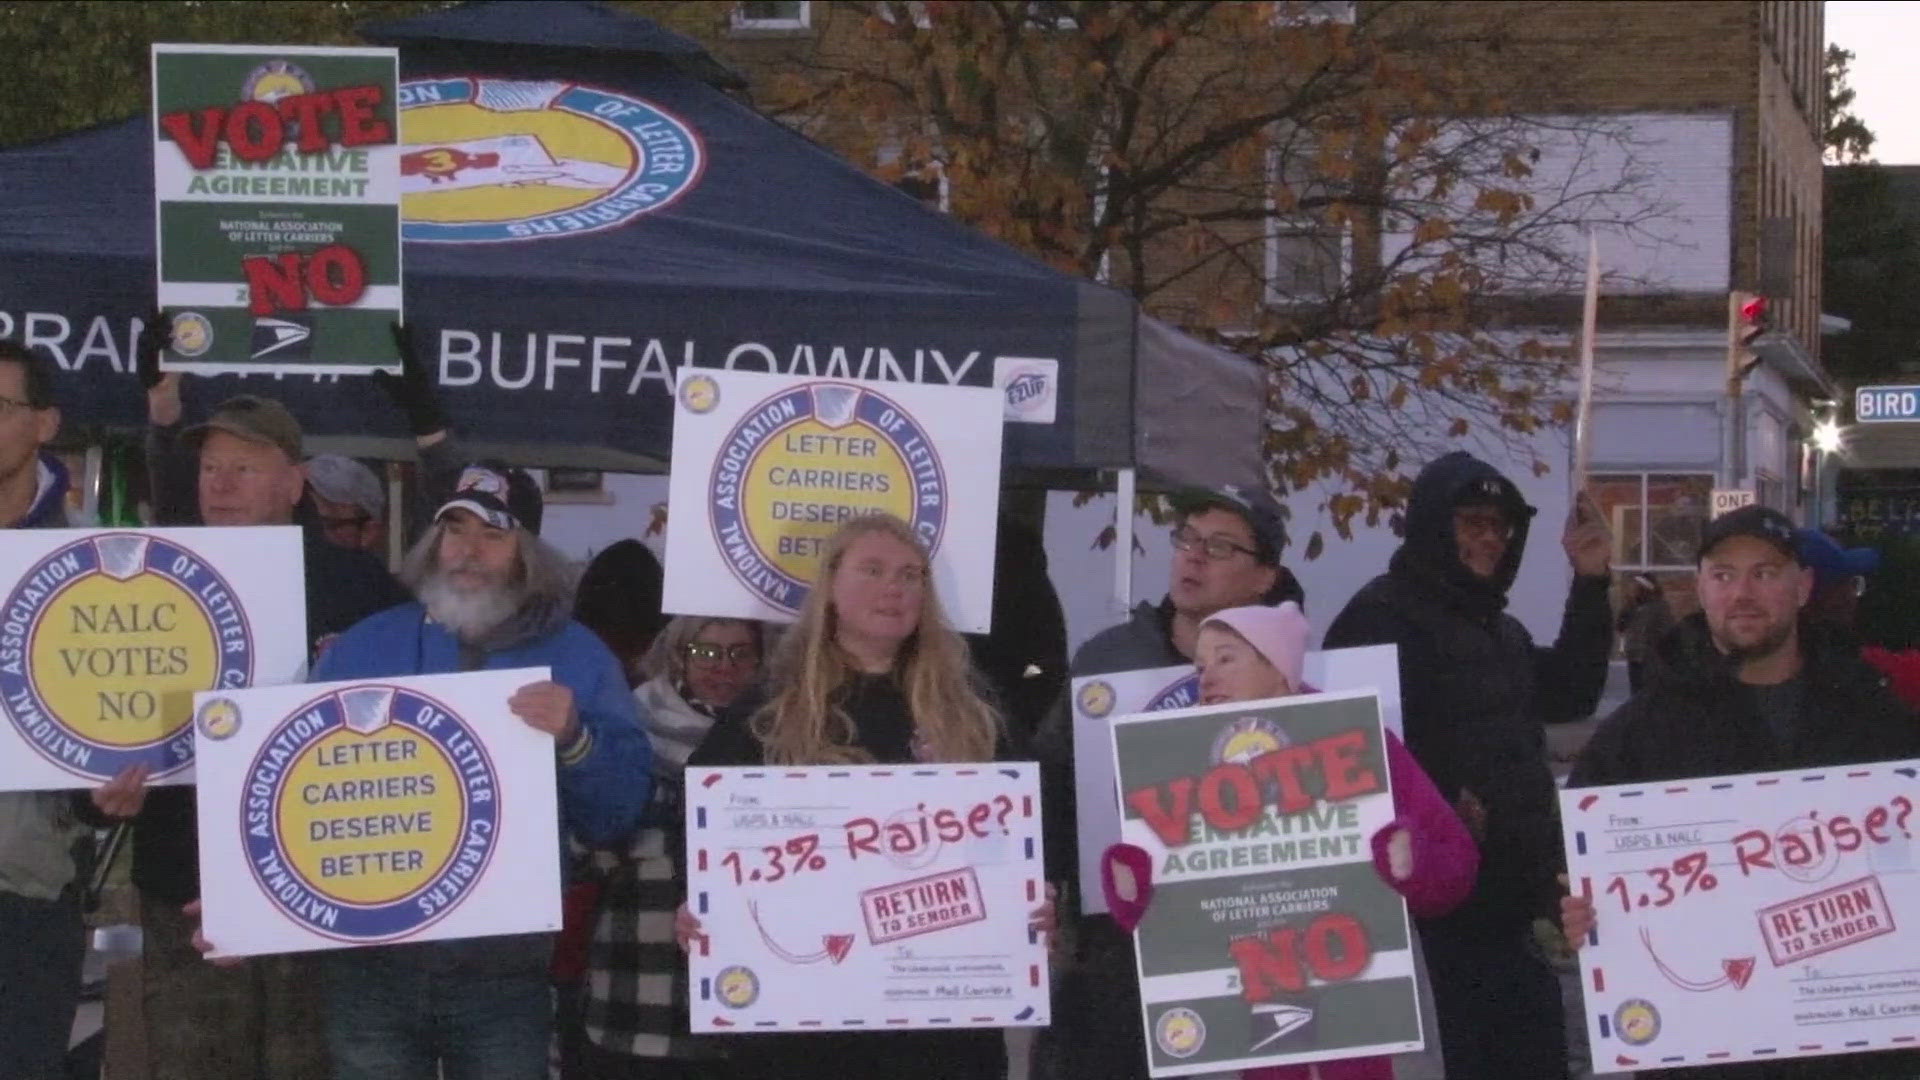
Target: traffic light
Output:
[(1747, 321)]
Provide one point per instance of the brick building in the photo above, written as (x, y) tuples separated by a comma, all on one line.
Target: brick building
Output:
[(1716, 106)]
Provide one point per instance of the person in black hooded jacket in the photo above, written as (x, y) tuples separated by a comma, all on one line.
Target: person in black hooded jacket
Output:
[(1475, 689), (1750, 684)]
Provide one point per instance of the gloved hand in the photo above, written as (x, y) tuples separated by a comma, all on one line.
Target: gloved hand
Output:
[(411, 391), (155, 338), (1126, 877), (163, 387)]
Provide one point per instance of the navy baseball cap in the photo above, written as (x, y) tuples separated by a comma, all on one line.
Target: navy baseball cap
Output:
[(1823, 554), (1259, 509), (501, 496), (1756, 521)]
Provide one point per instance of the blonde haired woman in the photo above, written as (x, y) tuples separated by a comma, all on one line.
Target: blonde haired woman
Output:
[(870, 673)]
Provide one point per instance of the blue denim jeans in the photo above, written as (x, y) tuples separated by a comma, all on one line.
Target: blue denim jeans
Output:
[(390, 1017), (41, 945)]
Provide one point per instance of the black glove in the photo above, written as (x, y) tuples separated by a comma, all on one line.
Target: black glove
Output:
[(412, 390), (155, 338)]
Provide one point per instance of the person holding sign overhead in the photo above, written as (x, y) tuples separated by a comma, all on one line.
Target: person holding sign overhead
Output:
[(1425, 854), (241, 466), (870, 673), (491, 595), (1476, 690)]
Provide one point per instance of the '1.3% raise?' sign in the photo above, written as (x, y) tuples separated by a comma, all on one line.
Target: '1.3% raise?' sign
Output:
[(1749, 917), (845, 897)]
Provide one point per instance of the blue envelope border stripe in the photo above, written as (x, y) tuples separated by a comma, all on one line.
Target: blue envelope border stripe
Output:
[(866, 897)]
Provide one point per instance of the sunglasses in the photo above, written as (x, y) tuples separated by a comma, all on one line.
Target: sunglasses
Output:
[(713, 654)]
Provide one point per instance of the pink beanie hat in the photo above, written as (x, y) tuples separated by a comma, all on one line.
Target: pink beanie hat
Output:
[(1277, 633)]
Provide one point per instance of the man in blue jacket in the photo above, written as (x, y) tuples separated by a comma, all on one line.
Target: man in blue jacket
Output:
[(489, 594)]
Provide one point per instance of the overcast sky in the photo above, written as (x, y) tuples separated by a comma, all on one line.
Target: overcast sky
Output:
[(1885, 38)]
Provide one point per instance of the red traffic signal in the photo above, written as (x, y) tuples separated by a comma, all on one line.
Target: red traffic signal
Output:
[(1754, 311)]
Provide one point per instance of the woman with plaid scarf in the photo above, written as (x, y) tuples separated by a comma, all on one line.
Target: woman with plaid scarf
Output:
[(636, 1011)]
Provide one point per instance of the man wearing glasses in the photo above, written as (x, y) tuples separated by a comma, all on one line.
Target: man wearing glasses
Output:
[(1474, 691), (1227, 543), (349, 502), (42, 939)]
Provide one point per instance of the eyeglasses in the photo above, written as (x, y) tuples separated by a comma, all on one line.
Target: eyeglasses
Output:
[(713, 654), (344, 524), (9, 406), (1483, 523), (1187, 538)]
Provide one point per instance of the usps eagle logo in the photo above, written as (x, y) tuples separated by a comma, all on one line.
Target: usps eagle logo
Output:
[(483, 481), (489, 160)]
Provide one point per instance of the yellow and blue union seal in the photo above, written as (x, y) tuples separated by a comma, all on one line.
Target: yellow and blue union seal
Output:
[(1096, 699), (220, 719), (803, 462), (192, 334), (736, 986), (488, 160), (1247, 738), (274, 80), (1637, 1022), (103, 644), (1180, 1032), (699, 393), (370, 814)]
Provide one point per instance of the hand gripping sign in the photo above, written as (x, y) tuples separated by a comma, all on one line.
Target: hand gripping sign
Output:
[(1747, 918), (277, 194), (105, 635), (1270, 939), (1099, 699), (773, 465), (841, 898), (364, 813)]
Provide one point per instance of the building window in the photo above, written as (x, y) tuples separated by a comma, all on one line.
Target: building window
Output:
[(1296, 12), (772, 15), (1307, 258), (1655, 517)]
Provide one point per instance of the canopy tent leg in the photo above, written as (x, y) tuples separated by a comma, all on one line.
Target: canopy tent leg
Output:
[(1123, 541)]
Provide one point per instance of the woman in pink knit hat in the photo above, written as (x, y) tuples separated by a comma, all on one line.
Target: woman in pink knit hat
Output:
[(1425, 853)]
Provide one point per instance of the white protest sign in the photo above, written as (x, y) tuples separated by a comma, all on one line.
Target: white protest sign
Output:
[(767, 467), (1725, 499), (1747, 918), (1100, 699), (105, 635), (375, 811), (876, 896)]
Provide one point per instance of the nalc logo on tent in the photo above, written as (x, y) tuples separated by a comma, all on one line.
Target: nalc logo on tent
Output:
[(487, 160)]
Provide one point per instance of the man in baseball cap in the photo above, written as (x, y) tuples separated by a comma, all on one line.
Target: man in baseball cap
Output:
[(1745, 686), (1227, 544), (350, 502), (489, 594), (241, 466)]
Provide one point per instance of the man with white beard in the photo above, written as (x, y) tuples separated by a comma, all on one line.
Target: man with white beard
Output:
[(490, 595)]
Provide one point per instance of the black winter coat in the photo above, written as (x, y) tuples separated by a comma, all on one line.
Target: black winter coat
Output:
[(1695, 719), (1475, 688)]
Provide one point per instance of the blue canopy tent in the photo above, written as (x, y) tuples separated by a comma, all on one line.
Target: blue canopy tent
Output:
[(587, 211)]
